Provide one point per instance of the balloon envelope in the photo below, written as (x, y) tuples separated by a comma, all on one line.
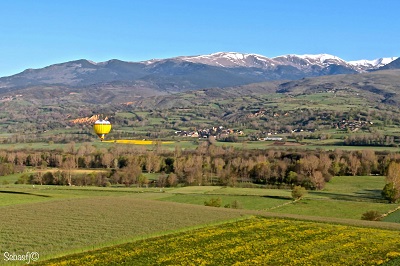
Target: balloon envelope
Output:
[(101, 128)]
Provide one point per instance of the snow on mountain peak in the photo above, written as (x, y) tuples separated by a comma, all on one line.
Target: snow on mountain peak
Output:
[(235, 59), (387, 60), (227, 55), (321, 58), (376, 63), (228, 59), (230, 55)]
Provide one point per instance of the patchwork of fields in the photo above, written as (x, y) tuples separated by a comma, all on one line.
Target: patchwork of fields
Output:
[(68, 225), (254, 241), (143, 226)]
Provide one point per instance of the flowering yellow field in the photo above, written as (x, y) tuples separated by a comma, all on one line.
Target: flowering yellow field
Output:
[(137, 142), (254, 241)]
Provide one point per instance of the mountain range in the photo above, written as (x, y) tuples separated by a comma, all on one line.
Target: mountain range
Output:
[(165, 76)]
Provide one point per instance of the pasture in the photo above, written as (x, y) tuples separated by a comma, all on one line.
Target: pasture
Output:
[(253, 241), (60, 220), (66, 225), (344, 197), (189, 143)]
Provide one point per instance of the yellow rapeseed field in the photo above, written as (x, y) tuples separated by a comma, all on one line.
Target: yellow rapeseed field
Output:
[(254, 241), (137, 142)]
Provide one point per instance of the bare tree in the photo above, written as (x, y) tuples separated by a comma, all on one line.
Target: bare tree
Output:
[(152, 162), (87, 159), (354, 164), (318, 180), (35, 159), (309, 164), (70, 148), (107, 159), (368, 161), (391, 191), (172, 180), (393, 175), (68, 165)]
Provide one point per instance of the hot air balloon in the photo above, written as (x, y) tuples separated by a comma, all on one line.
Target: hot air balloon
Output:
[(102, 127)]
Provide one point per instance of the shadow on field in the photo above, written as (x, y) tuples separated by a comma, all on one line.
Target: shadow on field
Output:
[(23, 193), (364, 195), (370, 193), (278, 197)]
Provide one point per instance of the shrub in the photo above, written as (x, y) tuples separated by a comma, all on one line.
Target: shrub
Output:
[(24, 179), (298, 192), (390, 193), (371, 216), (48, 178), (213, 202), (236, 205)]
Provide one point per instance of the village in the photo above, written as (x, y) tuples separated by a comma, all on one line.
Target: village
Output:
[(220, 132), (216, 132)]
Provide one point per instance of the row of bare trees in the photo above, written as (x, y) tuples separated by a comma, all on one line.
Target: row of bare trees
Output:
[(209, 164)]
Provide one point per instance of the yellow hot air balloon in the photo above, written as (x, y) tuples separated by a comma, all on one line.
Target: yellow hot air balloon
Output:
[(102, 127)]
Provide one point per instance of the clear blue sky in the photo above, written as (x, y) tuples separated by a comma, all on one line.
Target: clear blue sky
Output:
[(39, 33)]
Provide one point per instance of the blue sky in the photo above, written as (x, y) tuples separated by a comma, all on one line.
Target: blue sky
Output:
[(39, 33)]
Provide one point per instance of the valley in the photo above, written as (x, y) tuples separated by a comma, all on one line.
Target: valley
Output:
[(318, 111), (208, 157), (200, 133)]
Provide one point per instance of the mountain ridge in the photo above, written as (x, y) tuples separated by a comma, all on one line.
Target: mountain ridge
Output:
[(182, 73), (234, 59), (208, 59)]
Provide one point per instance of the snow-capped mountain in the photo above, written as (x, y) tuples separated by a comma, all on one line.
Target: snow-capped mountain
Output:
[(230, 59), (363, 65), (220, 69), (233, 59), (395, 64), (322, 60)]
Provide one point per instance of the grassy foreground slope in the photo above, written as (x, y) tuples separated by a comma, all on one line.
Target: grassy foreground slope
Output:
[(61, 220), (76, 224), (255, 241), (343, 197)]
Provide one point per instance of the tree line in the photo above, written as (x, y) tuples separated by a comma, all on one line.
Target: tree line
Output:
[(209, 164), (369, 140)]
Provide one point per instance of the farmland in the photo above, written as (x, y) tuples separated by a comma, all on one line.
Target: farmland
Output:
[(139, 196), (253, 241), (129, 223), (86, 197), (308, 115), (67, 225)]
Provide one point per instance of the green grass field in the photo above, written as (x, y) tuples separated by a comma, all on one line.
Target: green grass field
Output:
[(188, 143), (9, 179), (344, 197), (60, 220), (254, 241), (353, 188), (333, 208), (55, 227), (394, 217), (246, 202)]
